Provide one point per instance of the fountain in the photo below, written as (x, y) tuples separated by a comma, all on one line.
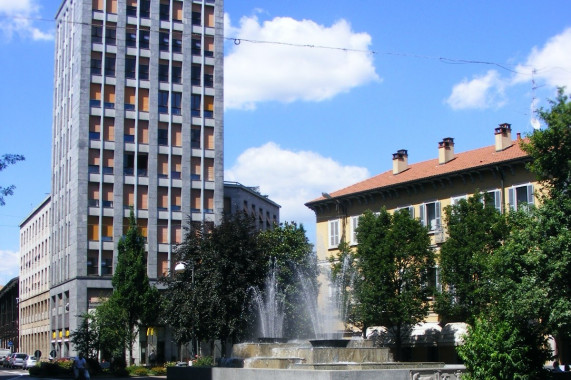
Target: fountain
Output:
[(321, 358)]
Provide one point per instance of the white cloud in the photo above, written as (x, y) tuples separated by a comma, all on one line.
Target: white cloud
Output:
[(292, 178), (10, 265), (17, 17), (259, 72), (551, 63), (481, 92)]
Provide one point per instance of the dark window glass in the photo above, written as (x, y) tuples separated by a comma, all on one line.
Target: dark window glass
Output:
[(196, 18), (144, 36), (177, 74), (176, 103), (163, 73), (144, 71), (96, 34), (131, 10), (95, 66), (163, 101), (163, 136), (164, 12), (195, 138), (195, 105), (145, 8), (163, 41), (131, 38), (195, 75), (142, 164), (208, 80), (196, 46), (110, 66), (177, 45), (110, 36), (130, 68)]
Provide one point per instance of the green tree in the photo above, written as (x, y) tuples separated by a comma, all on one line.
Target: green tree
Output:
[(288, 245), (132, 290), (475, 230), (211, 296), (5, 161), (550, 148), (86, 337), (393, 259)]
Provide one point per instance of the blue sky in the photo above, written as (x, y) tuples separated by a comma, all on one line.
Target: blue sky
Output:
[(319, 94)]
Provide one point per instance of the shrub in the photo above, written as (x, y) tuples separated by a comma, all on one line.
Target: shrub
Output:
[(137, 370), (121, 372), (158, 371), (170, 364), (49, 369), (35, 371), (203, 361)]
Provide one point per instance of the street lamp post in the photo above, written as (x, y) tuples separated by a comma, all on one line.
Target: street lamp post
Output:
[(179, 268)]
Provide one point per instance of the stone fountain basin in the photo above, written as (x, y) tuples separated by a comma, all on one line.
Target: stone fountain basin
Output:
[(333, 343)]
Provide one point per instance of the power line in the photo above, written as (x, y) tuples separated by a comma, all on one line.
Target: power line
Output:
[(238, 41)]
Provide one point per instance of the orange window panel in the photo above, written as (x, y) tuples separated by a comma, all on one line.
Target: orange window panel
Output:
[(130, 95), (93, 191), (129, 195), (95, 91), (176, 164), (163, 197), (195, 165), (111, 6), (177, 10), (163, 164), (142, 198), (109, 129), (209, 43), (109, 94), (93, 228), (97, 5), (108, 192), (162, 232), (176, 138), (94, 124), (209, 16), (93, 157), (107, 226), (209, 103), (144, 99), (162, 264), (195, 199), (176, 196), (209, 137), (143, 131), (108, 158), (176, 233), (129, 127), (209, 199), (132, 3), (209, 166), (142, 225)]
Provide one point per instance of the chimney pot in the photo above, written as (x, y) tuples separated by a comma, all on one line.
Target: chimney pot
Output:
[(503, 135), (445, 150), (400, 161)]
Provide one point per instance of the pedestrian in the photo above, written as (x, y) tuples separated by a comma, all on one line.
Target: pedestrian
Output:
[(80, 367)]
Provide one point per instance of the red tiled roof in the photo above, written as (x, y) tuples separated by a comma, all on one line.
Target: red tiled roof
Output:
[(472, 159)]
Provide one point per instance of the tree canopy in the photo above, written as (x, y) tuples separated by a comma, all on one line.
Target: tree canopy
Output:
[(476, 229), (5, 161), (393, 259)]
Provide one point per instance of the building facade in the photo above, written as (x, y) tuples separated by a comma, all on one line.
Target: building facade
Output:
[(425, 189), (248, 199), (9, 325), (137, 124), (34, 299)]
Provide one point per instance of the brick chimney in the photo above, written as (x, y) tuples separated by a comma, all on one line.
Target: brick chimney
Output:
[(445, 150), (503, 135), (400, 161)]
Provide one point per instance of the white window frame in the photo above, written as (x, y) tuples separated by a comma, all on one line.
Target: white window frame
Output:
[(437, 216), (354, 225), (455, 200), (497, 194), (409, 208), (333, 234), (512, 195)]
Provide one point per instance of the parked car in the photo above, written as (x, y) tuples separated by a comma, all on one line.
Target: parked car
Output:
[(3, 353), (30, 361), (17, 360), (6, 361)]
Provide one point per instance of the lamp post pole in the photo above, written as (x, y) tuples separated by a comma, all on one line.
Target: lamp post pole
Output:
[(180, 268)]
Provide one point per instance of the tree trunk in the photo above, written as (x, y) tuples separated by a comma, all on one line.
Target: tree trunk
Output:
[(398, 343)]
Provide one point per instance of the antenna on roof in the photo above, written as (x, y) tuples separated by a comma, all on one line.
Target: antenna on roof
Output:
[(533, 120)]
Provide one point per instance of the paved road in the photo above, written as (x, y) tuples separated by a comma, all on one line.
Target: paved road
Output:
[(19, 374)]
